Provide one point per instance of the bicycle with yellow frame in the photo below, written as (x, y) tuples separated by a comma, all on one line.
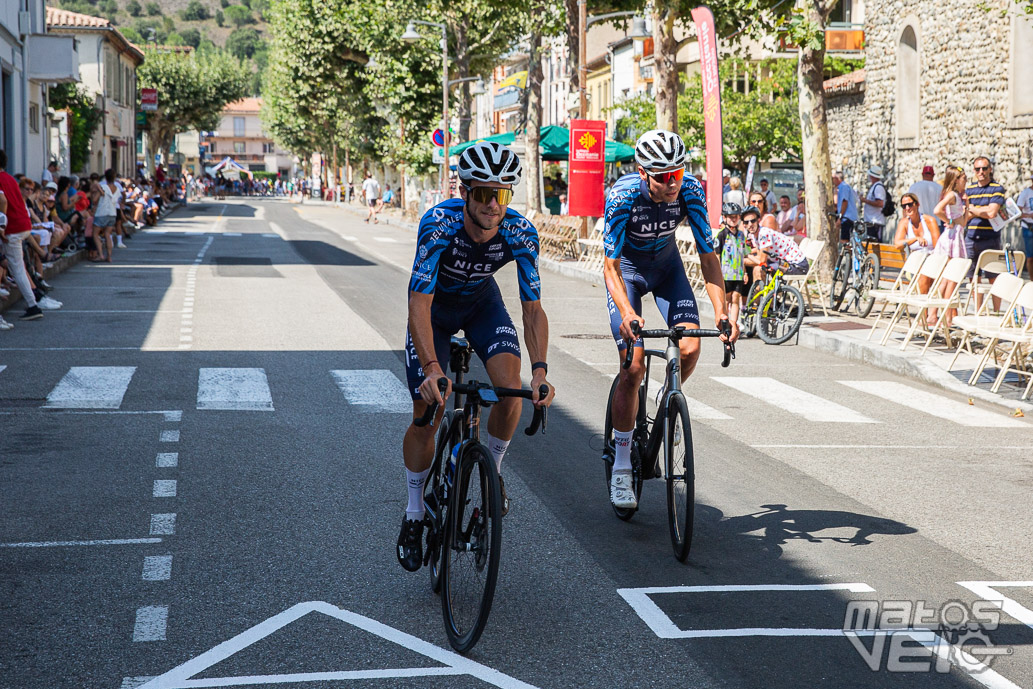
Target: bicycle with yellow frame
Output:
[(773, 309)]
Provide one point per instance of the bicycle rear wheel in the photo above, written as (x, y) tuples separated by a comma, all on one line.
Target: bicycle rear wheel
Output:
[(871, 270), (681, 476), (435, 495), (470, 548), (780, 315), (622, 513), (840, 281)]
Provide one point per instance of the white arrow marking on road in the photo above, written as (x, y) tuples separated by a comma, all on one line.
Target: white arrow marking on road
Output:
[(377, 389), (236, 389), (2, 367), (455, 664), (91, 387), (942, 407), (794, 400)]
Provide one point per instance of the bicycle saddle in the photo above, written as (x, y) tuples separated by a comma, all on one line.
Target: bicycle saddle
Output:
[(459, 343)]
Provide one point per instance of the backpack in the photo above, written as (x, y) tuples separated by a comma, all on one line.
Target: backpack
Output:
[(888, 208)]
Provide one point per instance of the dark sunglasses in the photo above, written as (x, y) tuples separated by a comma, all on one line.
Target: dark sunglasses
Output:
[(750, 222), (668, 177), (980, 168), (486, 194), (906, 205)]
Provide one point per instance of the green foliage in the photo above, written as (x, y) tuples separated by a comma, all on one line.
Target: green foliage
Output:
[(84, 118), (239, 15), (243, 42), (194, 12), (82, 7), (174, 39), (835, 66), (168, 24), (131, 34), (764, 123), (152, 9), (246, 3), (191, 37), (110, 8), (144, 27), (192, 89), (219, 19), (265, 174), (134, 8)]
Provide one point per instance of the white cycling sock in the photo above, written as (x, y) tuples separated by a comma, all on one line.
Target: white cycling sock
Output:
[(416, 480), (498, 449), (622, 443)]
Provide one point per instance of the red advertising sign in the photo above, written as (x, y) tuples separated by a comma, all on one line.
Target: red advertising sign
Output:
[(587, 161), (707, 37), (149, 100)]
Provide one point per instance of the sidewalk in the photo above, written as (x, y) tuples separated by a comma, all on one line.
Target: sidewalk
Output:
[(844, 336)]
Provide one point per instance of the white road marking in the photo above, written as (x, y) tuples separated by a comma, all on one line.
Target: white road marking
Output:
[(164, 488), (349, 238), (169, 437), (793, 400), (239, 389), (938, 405), (166, 460), (134, 682), (91, 387), (454, 664), (151, 621), (878, 447), (157, 568), (173, 415), (278, 230), (231, 234), (2, 367), (63, 544), (386, 240), (163, 524), (375, 389), (986, 590), (697, 409), (270, 235)]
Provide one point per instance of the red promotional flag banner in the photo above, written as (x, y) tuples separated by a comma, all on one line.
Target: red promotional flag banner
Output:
[(707, 37), (587, 163)]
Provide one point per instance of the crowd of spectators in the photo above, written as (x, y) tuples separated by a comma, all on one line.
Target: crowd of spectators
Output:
[(42, 222)]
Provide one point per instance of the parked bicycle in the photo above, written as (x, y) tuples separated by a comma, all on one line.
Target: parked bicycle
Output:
[(773, 309), (464, 503), (857, 272), (669, 430)]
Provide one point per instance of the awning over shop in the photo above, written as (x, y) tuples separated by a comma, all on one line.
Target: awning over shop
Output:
[(554, 145)]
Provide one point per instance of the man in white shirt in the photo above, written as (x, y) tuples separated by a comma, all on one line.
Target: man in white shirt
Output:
[(769, 196), (1025, 204), (927, 191), (48, 173), (786, 216), (371, 189), (873, 203)]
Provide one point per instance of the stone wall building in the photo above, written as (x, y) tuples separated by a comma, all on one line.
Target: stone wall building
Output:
[(943, 82)]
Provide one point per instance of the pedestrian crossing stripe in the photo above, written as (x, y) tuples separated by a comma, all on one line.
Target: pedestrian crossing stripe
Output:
[(375, 389), (794, 400), (91, 387), (921, 400), (234, 389)]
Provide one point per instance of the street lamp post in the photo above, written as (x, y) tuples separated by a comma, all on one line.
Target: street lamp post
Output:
[(411, 36)]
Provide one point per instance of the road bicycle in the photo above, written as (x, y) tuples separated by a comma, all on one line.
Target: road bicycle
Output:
[(857, 271), (669, 429), (463, 502), (773, 309)]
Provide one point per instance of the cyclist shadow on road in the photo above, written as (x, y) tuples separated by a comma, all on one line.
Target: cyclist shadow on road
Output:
[(776, 525)]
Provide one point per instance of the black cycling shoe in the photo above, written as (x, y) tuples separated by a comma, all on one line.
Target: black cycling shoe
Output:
[(410, 546), (505, 498)]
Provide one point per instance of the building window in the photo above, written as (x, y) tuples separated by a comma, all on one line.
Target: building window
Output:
[(267, 147), (908, 89), (1021, 87), (238, 126), (842, 13), (238, 146), (34, 118)]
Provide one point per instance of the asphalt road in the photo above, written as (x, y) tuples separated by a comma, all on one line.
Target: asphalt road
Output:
[(200, 486)]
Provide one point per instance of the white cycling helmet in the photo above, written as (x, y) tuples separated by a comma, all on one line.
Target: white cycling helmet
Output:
[(659, 149), (488, 161)]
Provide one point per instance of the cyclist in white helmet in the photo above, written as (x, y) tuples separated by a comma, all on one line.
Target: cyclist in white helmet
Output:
[(642, 211), (461, 244)]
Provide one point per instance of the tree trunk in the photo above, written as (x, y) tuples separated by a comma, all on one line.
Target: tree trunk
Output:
[(534, 124), (665, 79), (337, 176), (817, 165), (573, 43), (462, 63)]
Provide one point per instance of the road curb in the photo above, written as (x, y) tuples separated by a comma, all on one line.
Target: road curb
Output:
[(59, 266)]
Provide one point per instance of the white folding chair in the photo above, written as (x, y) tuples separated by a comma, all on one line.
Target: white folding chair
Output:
[(1005, 288), (899, 291), (956, 271), (984, 262), (812, 250), (931, 268), (1015, 337)]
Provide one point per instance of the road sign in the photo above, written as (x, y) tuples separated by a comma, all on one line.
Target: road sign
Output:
[(438, 137), (438, 156), (149, 100)]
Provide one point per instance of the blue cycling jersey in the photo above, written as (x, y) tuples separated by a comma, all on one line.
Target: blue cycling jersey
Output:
[(449, 262), (636, 224)]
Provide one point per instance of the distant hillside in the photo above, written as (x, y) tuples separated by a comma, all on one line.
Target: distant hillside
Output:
[(186, 22)]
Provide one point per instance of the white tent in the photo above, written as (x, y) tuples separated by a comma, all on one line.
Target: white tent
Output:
[(229, 168)]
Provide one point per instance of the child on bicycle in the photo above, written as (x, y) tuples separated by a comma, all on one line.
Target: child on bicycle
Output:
[(731, 247)]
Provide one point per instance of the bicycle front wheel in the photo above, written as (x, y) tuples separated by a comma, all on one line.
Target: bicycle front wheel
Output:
[(840, 281), (780, 315), (681, 476), (470, 548), (869, 280)]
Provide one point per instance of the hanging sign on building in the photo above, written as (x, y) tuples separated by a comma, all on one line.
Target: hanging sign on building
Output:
[(149, 100), (586, 162)]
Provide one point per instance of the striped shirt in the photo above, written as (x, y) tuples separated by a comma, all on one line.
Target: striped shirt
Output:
[(979, 228)]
